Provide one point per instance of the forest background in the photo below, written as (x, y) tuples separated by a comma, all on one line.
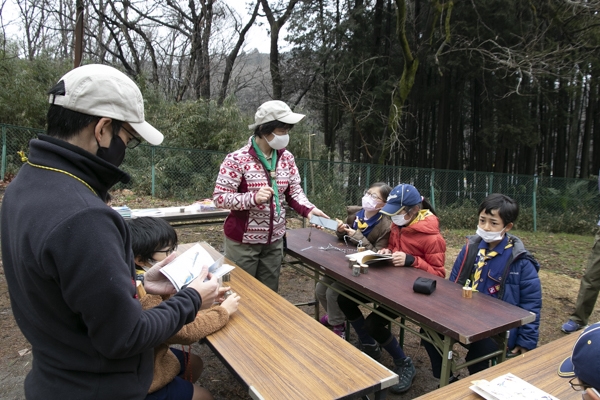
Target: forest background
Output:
[(499, 86)]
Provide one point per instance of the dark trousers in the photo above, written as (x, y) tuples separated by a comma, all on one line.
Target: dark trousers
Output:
[(375, 324), (477, 349)]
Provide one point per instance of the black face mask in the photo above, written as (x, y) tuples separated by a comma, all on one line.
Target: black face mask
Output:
[(114, 153)]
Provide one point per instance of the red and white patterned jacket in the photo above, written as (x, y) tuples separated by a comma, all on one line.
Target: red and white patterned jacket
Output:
[(241, 175)]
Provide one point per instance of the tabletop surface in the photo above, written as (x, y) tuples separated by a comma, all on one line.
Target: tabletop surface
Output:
[(538, 367), (174, 214), (280, 352), (445, 310)]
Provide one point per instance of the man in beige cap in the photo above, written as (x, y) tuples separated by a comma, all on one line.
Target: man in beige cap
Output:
[(253, 182), (67, 255)]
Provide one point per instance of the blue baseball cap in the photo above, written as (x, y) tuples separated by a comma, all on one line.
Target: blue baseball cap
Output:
[(403, 195), (584, 362)]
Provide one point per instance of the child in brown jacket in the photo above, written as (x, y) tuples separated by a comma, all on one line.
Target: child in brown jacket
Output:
[(153, 239)]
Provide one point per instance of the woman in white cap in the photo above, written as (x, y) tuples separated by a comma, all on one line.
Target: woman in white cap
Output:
[(253, 182)]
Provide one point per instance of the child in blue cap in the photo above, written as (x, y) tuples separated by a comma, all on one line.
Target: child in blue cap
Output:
[(583, 366)]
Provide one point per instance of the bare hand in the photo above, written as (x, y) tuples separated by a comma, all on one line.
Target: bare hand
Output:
[(264, 194), (317, 212), (384, 251), (349, 231), (231, 303), (341, 225), (519, 350), (157, 283), (208, 290), (399, 259)]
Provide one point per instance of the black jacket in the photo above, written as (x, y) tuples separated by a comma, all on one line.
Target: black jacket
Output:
[(69, 267)]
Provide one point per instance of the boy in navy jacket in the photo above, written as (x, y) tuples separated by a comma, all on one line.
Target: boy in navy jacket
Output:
[(497, 264)]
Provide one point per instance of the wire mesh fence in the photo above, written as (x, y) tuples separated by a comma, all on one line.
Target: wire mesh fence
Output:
[(546, 203)]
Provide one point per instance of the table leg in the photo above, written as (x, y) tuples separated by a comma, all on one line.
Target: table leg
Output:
[(447, 343)]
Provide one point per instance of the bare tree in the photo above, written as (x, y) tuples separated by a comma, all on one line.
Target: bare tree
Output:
[(230, 59), (276, 24)]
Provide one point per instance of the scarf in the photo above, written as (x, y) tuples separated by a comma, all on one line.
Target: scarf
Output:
[(271, 168)]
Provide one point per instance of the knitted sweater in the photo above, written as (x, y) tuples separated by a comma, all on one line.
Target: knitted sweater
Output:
[(166, 364), (241, 175), (377, 239)]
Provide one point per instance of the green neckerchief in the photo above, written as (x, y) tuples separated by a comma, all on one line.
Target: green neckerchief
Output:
[(271, 168)]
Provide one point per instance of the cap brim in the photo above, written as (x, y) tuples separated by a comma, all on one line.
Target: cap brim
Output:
[(148, 132), (390, 209), (566, 369), (292, 118)]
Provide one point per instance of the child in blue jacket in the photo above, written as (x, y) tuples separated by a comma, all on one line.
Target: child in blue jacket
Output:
[(497, 264)]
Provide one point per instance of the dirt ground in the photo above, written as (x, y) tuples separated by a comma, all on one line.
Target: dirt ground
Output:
[(559, 294)]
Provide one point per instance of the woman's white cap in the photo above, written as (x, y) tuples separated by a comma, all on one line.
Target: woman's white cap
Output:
[(275, 110), (104, 91)]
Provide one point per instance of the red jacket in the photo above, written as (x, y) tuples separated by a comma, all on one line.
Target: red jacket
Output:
[(423, 241)]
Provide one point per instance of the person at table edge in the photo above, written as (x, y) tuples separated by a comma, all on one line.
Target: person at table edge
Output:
[(252, 183), (583, 366)]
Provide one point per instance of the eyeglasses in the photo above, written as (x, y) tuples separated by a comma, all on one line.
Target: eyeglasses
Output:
[(167, 252), (576, 384), (281, 131), (134, 141), (373, 196)]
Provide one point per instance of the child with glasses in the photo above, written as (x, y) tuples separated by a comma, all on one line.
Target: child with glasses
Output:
[(153, 240), (366, 226), (583, 365), (415, 241)]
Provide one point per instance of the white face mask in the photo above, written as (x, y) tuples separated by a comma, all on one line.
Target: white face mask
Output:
[(279, 141), (399, 219), (369, 203), (490, 237)]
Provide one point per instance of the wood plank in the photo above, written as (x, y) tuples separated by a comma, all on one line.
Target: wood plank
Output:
[(445, 310), (538, 367), (280, 352)]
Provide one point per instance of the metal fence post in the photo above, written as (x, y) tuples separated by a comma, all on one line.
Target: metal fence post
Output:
[(368, 182), (535, 184), (431, 190), (3, 168), (153, 170), (491, 188), (304, 178)]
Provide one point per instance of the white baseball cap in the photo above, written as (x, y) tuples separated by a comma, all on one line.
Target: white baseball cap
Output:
[(275, 110), (104, 91)]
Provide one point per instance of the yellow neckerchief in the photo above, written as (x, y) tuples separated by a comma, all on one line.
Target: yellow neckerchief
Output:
[(421, 216), (25, 160)]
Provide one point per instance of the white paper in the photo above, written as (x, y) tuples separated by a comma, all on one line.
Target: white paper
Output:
[(187, 266), (371, 259), (507, 387)]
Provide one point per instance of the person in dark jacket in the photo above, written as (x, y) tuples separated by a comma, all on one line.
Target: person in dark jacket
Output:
[(67, 255), (496, 264)]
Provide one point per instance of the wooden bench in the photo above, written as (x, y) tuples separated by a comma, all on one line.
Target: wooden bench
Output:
[(445, 312), (279, 352)]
